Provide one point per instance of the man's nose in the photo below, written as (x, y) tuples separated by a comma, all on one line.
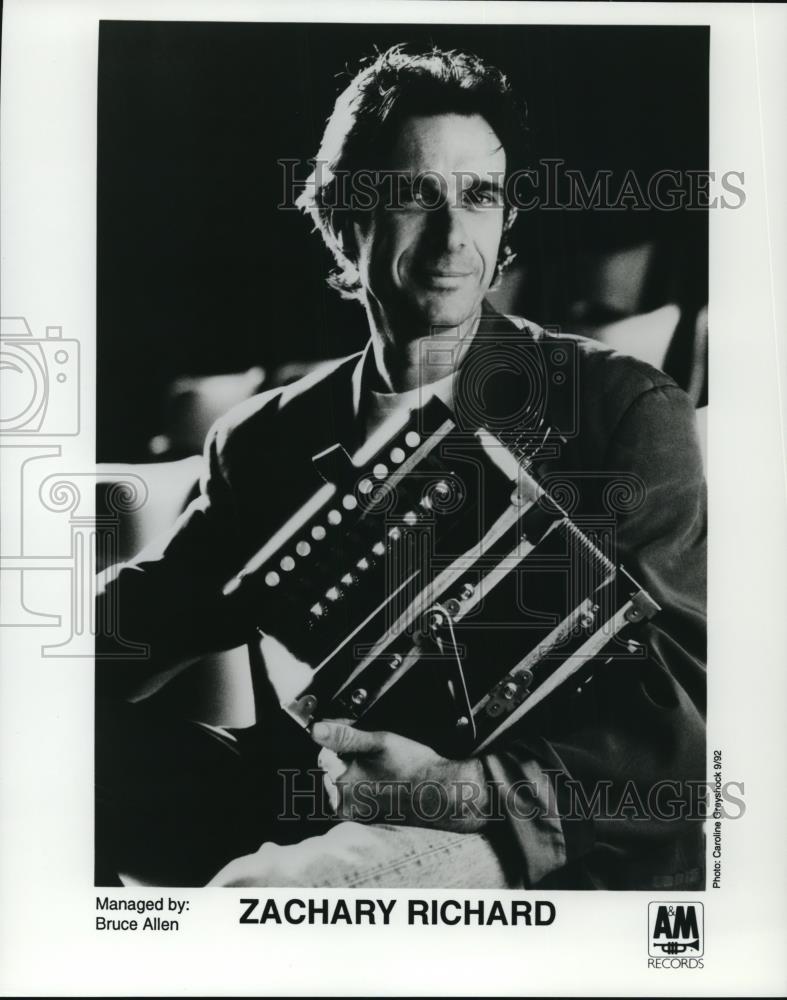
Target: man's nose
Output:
[(449, 226)]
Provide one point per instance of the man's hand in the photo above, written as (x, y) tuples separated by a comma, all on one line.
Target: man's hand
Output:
[(389, 779)]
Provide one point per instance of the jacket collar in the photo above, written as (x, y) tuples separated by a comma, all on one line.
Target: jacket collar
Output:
[(492, 324)]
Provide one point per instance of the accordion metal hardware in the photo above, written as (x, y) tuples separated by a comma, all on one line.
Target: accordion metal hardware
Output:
[(436, 588)]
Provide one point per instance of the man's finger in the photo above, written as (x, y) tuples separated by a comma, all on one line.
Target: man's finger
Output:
[(345, 739), (331, 763)]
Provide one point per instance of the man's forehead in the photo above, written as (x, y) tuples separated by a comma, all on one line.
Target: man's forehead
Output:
[(447, 142)]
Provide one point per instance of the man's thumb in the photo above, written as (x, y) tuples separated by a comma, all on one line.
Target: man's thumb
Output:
[(345, 739)]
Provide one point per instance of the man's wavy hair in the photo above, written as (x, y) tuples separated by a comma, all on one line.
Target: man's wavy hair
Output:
[(363, 126)]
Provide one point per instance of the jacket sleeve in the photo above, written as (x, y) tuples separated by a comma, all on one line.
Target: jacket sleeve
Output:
[(610, 790), (164, 608)]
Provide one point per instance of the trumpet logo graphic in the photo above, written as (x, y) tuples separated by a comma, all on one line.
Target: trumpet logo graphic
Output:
[(39, 381), (675, 929)]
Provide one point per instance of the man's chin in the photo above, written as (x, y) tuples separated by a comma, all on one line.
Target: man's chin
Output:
[(446, 310)]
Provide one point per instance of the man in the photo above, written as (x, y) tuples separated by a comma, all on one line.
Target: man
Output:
[(438, 134)]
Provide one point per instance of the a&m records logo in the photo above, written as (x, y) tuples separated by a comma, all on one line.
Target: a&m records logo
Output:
[(675, 931)]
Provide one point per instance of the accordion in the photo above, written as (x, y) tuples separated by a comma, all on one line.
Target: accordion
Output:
[(437, 588)]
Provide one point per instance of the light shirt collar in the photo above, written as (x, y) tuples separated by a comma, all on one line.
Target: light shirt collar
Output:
[(371, 407)]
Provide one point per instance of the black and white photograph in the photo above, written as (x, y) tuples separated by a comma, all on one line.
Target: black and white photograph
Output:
[(453, 464), (387, 505)]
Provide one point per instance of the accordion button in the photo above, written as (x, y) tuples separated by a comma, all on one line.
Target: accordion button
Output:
[(287, 564), (318, 532), (272, 578), (303, 548), (334, 517), (412, 440), (397, 456)]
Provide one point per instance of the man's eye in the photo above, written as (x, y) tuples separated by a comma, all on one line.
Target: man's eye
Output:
[(482, 199), (419, 195)]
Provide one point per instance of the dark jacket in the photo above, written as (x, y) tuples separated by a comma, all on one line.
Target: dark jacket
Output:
[(629, 743)]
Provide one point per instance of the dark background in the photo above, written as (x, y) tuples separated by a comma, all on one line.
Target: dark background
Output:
[(199, 273)]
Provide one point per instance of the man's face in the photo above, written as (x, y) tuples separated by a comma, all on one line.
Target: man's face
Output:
[(429, 261)]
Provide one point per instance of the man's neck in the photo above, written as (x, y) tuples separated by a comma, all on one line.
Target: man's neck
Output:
[(406, 363)]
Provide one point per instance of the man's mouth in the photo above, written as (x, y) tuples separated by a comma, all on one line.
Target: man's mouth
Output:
[(445, 272), (444, 277)]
